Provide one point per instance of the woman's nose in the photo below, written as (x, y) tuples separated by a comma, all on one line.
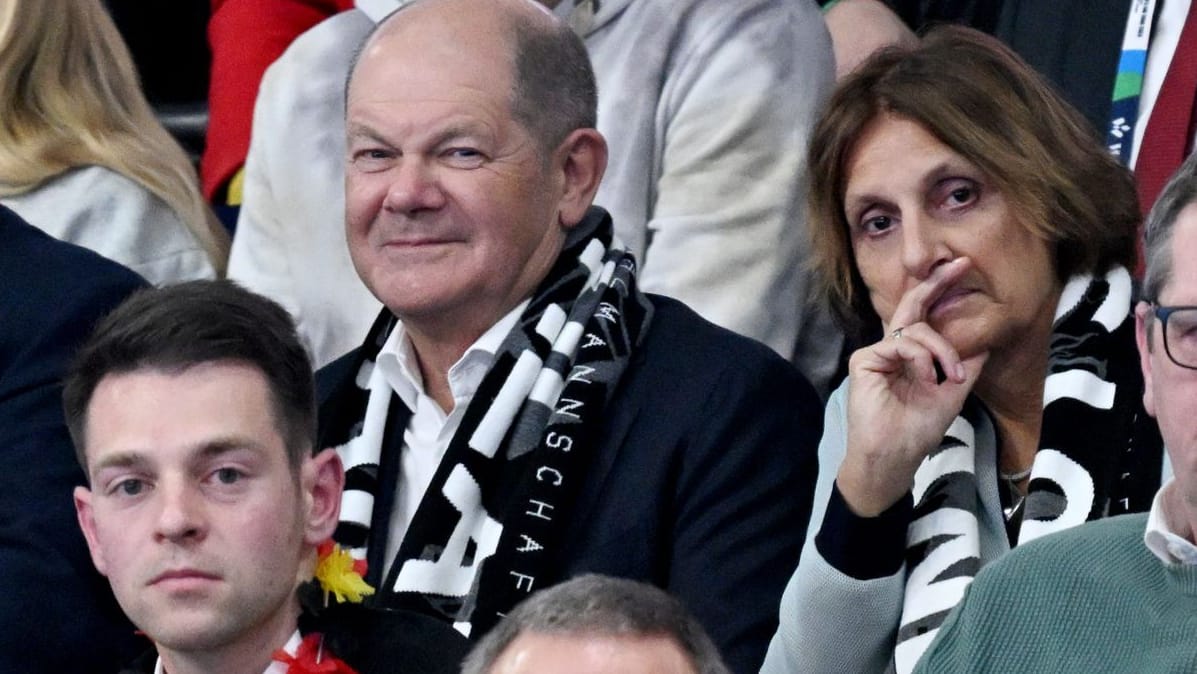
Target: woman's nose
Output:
[(923, 245)]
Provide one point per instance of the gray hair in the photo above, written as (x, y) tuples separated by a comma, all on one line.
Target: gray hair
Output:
[(1180, 191), (604, 606), (554, 90)]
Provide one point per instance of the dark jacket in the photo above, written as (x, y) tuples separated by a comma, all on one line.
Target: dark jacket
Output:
[(57, 613), (703, 479)]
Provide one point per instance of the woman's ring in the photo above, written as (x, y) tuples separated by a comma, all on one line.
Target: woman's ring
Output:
[(896, 334)]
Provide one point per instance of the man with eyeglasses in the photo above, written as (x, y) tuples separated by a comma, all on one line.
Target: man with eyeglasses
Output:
[(1105, 596)]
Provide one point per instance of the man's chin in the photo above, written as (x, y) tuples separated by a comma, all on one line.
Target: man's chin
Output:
[(192, 631)]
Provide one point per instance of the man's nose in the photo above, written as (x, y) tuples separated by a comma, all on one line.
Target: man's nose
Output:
[(181, 517), (414, 187)]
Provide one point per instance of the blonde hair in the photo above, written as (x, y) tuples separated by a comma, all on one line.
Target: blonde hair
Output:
[(70, 97)]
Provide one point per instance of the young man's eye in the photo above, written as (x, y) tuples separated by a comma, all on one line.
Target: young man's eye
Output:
[(228, 475), (130, 487)]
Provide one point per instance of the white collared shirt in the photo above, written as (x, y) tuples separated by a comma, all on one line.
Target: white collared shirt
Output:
[(430, 429), (275, 667), (1161, 537)]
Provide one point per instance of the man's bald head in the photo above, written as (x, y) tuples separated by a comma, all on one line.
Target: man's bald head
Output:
[(553, 85)]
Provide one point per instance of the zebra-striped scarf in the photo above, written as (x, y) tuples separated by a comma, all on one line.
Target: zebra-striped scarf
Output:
[(1097, 457), (489, 525)]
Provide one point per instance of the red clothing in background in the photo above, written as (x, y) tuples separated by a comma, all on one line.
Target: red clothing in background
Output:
[(246, 37)]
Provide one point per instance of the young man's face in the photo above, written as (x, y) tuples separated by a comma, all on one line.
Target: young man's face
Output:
[(194, 513)]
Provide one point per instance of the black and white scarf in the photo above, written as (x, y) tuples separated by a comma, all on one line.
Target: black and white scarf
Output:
[(487, 530), (1099, 455)]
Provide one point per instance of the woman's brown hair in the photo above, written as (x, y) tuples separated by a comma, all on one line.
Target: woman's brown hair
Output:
[(982, 101)]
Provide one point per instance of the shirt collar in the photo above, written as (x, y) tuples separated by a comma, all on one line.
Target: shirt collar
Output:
[(275, 667), (397, 360), (1161, 537)]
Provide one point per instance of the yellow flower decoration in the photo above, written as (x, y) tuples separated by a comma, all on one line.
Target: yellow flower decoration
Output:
[(341, 575)]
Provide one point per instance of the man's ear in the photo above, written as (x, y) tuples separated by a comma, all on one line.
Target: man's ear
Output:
[(87, 522), (323, 479), (582, 159), (1143, 318)]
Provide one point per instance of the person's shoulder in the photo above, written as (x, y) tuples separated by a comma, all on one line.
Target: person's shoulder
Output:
[(144, 664), (710, 8), (1084, 550), (29, 253), (684, 347), (97, 191), (775, 16), (332, 42), (1096, 534), (374, 640), (334, 375), (679, 330)]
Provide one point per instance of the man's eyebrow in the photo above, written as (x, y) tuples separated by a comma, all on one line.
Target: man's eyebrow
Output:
[(457, 129), (211, 449), (220, 446), (119, 460), (358, 130)]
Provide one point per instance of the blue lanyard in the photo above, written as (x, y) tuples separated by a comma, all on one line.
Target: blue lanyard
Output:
[(1124, 110)]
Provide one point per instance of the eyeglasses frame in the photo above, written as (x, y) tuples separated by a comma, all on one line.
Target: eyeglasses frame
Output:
[(1163, 313)]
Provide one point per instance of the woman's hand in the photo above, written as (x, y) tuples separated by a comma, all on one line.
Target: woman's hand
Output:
[(898, 405)]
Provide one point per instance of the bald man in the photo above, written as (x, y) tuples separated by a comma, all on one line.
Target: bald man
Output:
[(521, 412)]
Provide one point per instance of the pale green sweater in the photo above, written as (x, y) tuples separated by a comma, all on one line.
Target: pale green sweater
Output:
[(1089, 599)]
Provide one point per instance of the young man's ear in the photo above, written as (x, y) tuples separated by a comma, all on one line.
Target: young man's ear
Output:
[(87, 522), (1143, 319), (582, 159), (323, 480)]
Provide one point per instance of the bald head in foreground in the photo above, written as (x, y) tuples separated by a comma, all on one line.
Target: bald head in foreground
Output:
[(595, 624), (519, 401)]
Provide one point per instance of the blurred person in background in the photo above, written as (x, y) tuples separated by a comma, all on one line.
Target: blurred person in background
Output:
[(82, 156)]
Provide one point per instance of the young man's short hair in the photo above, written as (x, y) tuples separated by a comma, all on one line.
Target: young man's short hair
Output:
[(177, 327)]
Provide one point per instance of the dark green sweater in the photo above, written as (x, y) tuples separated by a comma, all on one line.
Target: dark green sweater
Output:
[(1089, 599)]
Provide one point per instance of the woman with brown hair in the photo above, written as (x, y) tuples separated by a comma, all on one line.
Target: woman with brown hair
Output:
[(82, 156), (966, 224)]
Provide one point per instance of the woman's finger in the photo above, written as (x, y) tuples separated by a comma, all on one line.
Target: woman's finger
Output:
[(941, 350), (915, 303), (916, 348)]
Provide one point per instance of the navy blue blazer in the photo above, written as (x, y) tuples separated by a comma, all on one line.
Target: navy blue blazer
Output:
[(704, 477), (1075, 44), (57, 614)]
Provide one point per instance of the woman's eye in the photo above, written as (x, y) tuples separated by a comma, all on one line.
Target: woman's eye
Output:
[(876, 224), (960, 193)]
